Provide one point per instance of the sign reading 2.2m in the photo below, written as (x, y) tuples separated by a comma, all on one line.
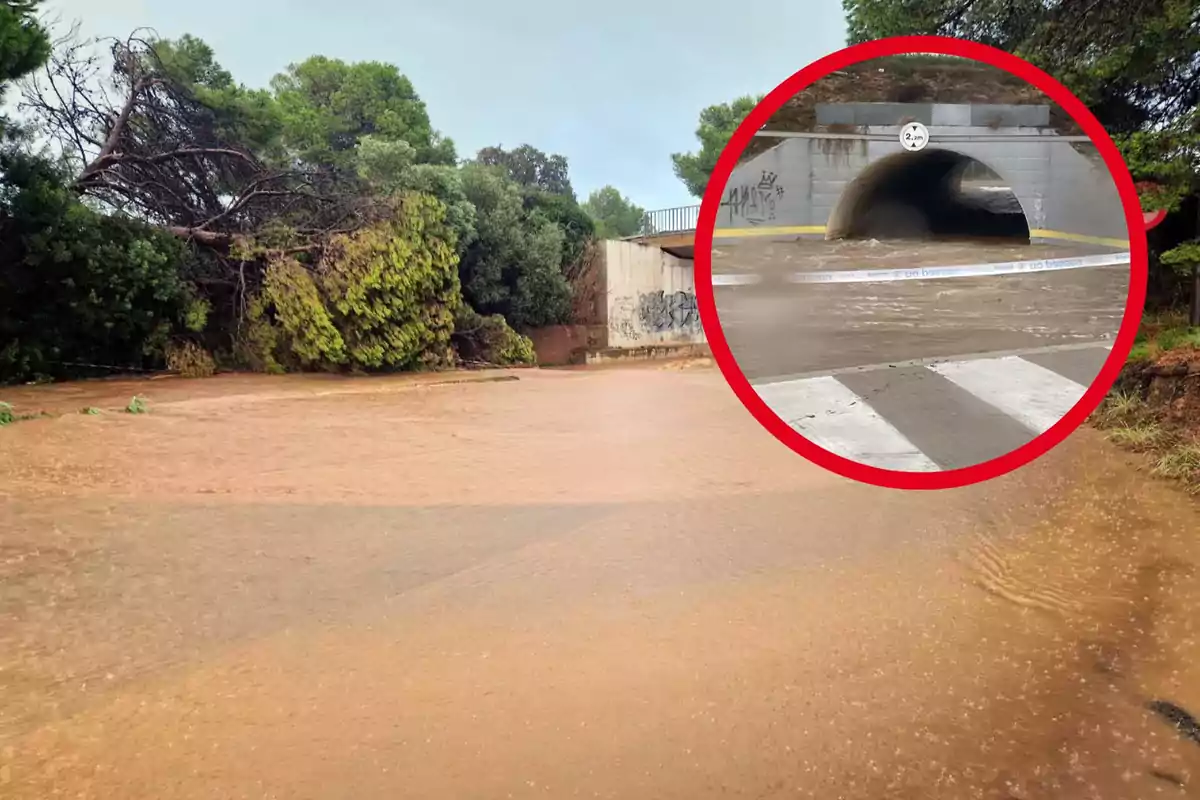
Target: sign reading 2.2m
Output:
[(914, 136)]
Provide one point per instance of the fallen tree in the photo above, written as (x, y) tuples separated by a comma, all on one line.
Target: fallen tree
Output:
[(149, 141)]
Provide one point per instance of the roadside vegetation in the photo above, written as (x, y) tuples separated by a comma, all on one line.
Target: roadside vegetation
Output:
[(157, 214), (1170, 441), (1136, 65)]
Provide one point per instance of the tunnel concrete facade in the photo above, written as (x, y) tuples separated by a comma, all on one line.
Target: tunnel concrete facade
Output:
[(1062, 185)]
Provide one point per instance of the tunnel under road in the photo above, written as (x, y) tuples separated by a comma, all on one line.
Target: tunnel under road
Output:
[(932, 194)]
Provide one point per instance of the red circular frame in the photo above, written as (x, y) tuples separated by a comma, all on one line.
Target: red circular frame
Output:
[(706, 223), (1153, 218)]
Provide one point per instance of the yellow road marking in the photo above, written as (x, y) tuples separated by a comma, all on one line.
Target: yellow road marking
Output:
[(721, 233), (1079, 237)]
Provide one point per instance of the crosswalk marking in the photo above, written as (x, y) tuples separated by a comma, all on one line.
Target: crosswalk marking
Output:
[(837, 419), (1034, 396), (939, 415)]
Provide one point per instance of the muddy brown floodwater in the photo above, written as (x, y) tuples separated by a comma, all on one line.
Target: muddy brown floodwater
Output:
[(573, 584), (775, 328)]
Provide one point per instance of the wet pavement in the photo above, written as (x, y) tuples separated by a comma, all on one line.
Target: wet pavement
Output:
[(597, 584), (779, 329), (936, 415)]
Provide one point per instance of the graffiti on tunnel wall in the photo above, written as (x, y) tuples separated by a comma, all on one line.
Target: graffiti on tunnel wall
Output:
[(656, 312), (755, 202), (660, 312), (622, 318)]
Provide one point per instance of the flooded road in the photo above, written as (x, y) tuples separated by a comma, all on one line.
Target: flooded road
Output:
[(775, 328), (573, 584)]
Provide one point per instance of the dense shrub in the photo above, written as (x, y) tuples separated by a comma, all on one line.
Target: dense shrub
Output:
[(270, 245), (488, 340), (514, 265), (383, 297), (577, 225), (78, 288), (189, 359)]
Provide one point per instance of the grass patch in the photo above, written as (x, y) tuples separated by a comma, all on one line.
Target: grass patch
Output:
[(1132, 423), (91, 411), (1181, 462), (1143, 353), (136, 406), (1162, 333), (1120, 409), (1140, 438)]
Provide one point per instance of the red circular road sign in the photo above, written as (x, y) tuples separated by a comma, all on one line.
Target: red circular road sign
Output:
[(711, 202), (1151, 218)]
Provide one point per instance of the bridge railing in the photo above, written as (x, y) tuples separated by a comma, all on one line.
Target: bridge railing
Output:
[(681, 219)]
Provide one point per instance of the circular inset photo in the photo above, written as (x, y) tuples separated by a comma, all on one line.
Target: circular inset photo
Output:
[(920, 262)]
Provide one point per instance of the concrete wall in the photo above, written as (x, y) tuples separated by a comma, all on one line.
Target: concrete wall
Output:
[(559, 345), (798, 182), (1082, 196), (651, 297)]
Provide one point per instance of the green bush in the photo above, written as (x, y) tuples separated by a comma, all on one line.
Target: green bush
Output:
[(78, 287), (514, 265), (190, 359), (393, 288), (381, 298), (576, 224), (489, 340)]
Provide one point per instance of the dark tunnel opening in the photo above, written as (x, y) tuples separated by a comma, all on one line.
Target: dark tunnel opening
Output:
[(930, 195)]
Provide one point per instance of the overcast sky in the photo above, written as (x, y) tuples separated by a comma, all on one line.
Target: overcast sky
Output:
[(616, 87)]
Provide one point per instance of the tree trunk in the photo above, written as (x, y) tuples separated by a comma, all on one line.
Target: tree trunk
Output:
[(1194, 315)]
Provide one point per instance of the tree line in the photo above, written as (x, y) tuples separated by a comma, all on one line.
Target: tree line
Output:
[(1134, 63), (156, 212)]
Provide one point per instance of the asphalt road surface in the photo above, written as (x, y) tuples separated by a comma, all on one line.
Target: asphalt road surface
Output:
[(604, 584), (939, 414), (918, 375)]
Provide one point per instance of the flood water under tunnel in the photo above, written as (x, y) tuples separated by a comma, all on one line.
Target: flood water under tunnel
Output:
[(932, 194)]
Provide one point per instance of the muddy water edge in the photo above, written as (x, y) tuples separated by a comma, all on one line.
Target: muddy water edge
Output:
[(1108, 573), (670, 625)]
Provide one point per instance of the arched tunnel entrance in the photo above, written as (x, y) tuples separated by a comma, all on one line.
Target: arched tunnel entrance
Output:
[(931, 194)]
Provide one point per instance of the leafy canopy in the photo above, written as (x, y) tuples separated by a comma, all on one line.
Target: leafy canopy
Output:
[(514, 266), (717, 125), (24, 43), (78, 287), (530, 168), (616, 216), (328, 106)]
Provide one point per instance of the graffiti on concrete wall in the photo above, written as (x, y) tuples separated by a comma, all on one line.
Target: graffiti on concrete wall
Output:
[(755, 202), (660, 311), (622, 318), (655, 312)]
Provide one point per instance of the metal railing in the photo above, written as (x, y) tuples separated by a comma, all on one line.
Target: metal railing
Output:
[(681, 219)]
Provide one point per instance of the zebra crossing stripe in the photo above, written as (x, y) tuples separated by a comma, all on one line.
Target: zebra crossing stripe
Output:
[(833, 417), (892, 431), (1033, 395)]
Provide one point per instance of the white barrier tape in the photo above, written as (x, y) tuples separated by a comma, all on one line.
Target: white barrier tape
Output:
[(960, 271), (736, 280)]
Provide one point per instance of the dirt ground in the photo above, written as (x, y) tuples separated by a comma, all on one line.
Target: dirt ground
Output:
[(567, 583)]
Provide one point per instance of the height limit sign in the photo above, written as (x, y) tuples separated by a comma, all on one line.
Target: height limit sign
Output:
[(914, 136)]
